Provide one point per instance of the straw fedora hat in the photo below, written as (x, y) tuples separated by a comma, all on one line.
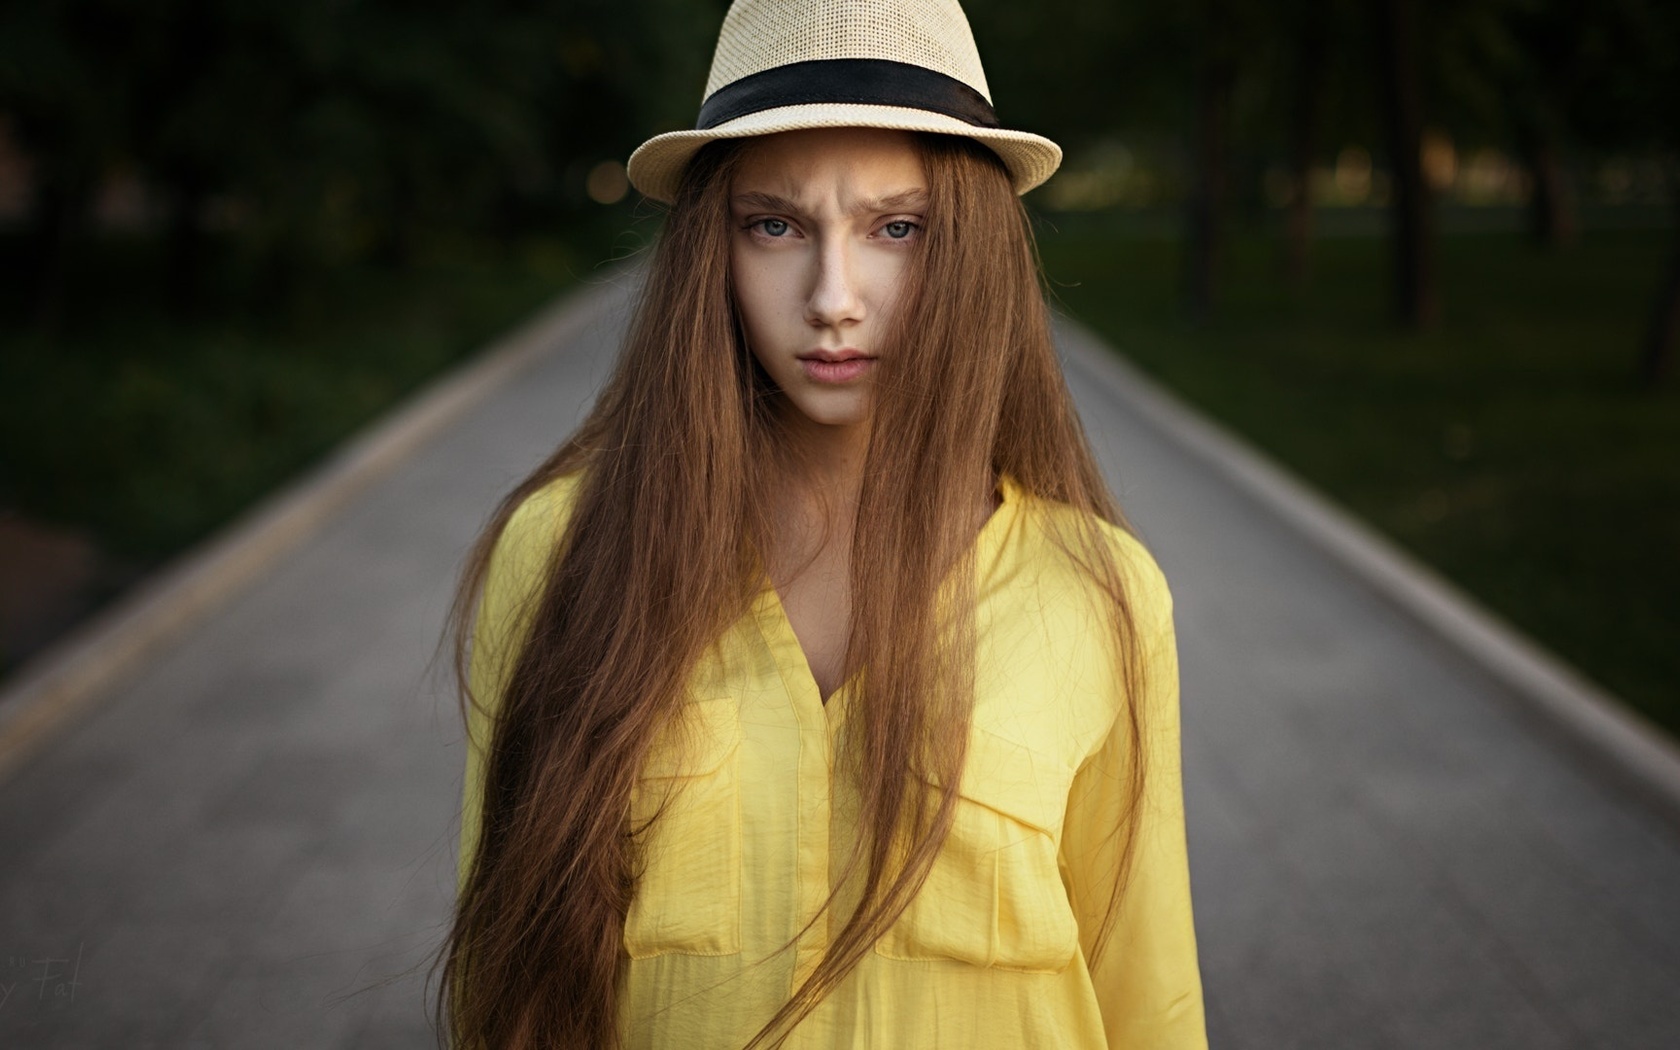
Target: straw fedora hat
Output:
[(782, 65)]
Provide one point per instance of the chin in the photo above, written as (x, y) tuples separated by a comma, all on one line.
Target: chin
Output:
[(833, 411)]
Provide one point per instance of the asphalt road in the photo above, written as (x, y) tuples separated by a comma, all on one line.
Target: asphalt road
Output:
[(250, 842)]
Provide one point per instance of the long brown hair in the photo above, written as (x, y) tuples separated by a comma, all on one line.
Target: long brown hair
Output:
[(660, 557)]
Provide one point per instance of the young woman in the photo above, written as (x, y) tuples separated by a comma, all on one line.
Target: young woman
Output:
[(819, 695)]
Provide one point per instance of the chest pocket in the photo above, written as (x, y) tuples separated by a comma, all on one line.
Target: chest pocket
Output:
[(688, 899), (994, 896)]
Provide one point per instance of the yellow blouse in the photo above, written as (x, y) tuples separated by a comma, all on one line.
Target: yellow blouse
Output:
[(993, 951)]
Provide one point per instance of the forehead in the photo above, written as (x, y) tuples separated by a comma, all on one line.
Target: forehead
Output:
[(831, 165)]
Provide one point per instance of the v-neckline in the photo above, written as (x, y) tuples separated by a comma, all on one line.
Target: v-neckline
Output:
[(777, 628)]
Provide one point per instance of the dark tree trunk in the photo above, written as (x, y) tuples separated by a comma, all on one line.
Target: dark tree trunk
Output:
[(1551, 212), (60, 209), (1210, 160), (1656, 357), (187, 244), (1416, 297), (1310, 78)]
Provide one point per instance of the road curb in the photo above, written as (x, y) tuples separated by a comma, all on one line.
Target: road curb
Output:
[(1630, 749), (50, 691)]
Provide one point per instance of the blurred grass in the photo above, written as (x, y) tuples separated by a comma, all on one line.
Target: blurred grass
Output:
[(147, 431), (1509, 449)]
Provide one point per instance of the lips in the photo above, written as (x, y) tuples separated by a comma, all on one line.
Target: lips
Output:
[(835, 366), (845, 353)]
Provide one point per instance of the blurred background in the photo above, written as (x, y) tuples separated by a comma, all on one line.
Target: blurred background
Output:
[(1425, 253)]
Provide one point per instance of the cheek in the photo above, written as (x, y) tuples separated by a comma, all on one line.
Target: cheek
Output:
[(882, 275), (767, 293), (755, 294)]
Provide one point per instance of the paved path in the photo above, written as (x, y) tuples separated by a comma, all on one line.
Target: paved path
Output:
[(250, 843)]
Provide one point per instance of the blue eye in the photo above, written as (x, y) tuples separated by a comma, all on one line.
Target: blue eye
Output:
[(773, 227), (899, 230)]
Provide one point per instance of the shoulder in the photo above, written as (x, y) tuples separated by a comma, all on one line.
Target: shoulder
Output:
[(1147, 590), (1054, 539), (534, 530), (519, 561), (1057, 667), (512, 583), (547, 509)]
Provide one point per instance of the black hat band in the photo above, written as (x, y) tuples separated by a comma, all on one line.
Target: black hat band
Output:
[(859, 81)]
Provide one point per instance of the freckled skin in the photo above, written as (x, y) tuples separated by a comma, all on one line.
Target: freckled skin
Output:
[(824, 223)]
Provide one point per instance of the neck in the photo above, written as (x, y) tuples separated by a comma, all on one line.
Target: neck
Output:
[(822, 477), (826, 461)]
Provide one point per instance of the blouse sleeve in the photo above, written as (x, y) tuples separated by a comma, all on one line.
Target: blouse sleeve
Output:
[(499, 625), (1146, 981)]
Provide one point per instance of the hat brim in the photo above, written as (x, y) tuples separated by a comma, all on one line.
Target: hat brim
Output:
[(656, 167)]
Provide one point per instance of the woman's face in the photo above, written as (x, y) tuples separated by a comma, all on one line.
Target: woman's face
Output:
[(824, 224)]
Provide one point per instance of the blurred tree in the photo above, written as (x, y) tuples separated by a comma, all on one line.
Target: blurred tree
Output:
[(1624, 97), (1154, 69), (1069, 69), (1417, 297), (1655, 113), (1544, 71), (315, 131), (1217, 51), (1322, 100), (1309, 29), (1502, 70), (52, 60)]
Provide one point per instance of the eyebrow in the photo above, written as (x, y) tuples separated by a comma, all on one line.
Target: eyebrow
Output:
[(916, 198)]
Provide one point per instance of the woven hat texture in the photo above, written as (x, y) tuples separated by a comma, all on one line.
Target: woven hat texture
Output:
[(931, 33), (924, 43)]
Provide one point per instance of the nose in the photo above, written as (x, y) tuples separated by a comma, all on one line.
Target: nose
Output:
[(834, 300)]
